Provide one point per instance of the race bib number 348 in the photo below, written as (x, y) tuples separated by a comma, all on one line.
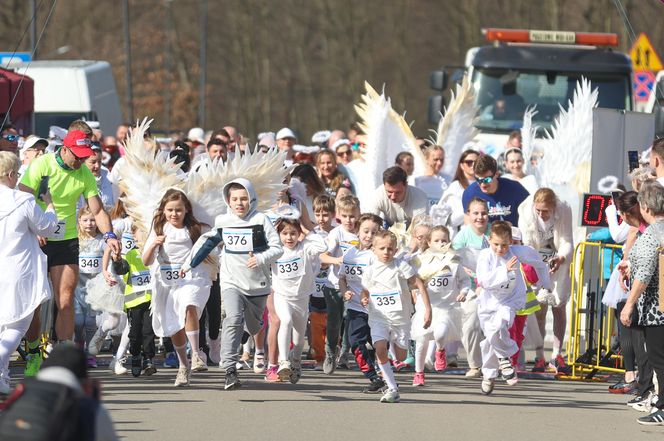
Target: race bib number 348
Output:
[(386, 301), (89, 264)]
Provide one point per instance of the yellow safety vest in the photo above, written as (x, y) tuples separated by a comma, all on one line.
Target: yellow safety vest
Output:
[(135, 295), (532, 304)]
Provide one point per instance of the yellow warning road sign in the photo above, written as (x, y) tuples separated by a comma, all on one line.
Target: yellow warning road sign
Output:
[(643, 55)]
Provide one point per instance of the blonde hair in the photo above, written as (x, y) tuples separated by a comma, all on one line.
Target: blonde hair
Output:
[(8, 163), (348, 203), (85, 211), (545, 195), (385, 234)]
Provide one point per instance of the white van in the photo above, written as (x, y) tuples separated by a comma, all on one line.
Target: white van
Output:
[(66, 90)]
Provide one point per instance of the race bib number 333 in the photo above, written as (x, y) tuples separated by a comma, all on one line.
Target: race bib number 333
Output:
[(290, 268)]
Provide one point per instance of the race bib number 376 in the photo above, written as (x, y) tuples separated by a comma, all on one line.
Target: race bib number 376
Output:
[(238, 240)]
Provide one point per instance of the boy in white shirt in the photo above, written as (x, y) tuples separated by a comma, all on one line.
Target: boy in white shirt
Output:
[(503, 293), (339, 240), (387, 295)]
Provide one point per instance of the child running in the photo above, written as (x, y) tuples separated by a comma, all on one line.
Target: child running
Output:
[(293, 282), (503, 293), (90, 252), (387, 295), (447, 285), (355, 262), (250, 245), (178, 298)]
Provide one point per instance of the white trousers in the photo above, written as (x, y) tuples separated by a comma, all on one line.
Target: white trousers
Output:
[(497, 343), (10, 337), (471, 333), (293, 315)]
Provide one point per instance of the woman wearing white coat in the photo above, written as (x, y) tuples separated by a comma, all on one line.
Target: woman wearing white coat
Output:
[(24, 284), (546, 225)]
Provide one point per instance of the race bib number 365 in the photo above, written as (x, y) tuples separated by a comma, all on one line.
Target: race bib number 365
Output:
[(238, 240), (89, 264), (353, 269), (386, 301)]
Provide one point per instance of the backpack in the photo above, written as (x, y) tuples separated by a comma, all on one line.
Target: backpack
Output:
[(41, 410)]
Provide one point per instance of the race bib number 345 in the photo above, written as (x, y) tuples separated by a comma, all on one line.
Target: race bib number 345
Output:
[(238, 240), (386, 301)]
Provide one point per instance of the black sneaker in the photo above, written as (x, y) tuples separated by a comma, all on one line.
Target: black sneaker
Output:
[(654, 419), (232, 379), (639, 400), (149, 367), (377, 385), (136, 365)]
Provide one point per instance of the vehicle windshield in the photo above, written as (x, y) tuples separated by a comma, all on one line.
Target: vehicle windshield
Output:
[(503, 95)]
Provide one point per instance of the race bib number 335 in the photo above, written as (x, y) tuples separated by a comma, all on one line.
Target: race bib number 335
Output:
[(386, 301)]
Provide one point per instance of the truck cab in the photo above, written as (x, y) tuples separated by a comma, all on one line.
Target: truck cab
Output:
[(526, 68)]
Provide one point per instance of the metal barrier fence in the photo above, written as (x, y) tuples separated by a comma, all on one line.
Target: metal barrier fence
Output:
[(592, 343)]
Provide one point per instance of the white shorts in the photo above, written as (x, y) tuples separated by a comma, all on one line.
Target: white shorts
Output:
[(394, 333)]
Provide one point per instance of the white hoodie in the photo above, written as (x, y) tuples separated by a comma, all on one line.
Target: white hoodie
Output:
[(236, 237)]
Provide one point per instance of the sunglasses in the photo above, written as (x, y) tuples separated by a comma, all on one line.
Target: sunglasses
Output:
[(469, 162), (11, 138), (485, 181), (344, 153), (76, 158), (357, 145)]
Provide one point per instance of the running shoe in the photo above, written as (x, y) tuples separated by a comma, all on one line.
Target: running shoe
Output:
[(329, 364), (243, 365), (198, 362), (655, 418), (232, 380), (284, 370), (342, 361), (183, 377), (171, 360), (646, 404), (487, 385), (92, 362), (473, 373), (271, 375), (452, 360), (540, 365), (418, 379), (558, 364), (377, 385), (441, 360), (136, 365), (214, 351), (622, 387), (96, 342), (390, 396), (33, 364), (5, 386), (507, 371), (296, 372), (117, 366), (259, 363), (149, 367)]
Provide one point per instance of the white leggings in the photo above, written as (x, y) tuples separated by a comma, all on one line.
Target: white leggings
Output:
[(293, 315), (440, 336), (10, 337)]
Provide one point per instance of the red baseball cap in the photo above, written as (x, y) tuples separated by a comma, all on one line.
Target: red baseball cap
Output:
[(79, 143)]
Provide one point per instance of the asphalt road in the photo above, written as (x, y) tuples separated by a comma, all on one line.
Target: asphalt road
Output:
[(323, 408)]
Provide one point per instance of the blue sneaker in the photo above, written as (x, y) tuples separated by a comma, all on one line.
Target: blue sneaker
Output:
[(171, 360)]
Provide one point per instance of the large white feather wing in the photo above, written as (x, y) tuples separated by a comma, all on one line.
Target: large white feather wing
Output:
[(266, 172), (387, 135), (144, 177), (569, 147), (456, 128), (528, 132)]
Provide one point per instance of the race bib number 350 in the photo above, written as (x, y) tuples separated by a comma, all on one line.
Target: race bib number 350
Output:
[(89, 264), (238, 240), (440, 282), (386, 301)]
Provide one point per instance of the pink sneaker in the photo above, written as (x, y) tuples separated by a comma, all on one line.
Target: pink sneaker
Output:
[(441, 360), (418, 379), (271, 374)]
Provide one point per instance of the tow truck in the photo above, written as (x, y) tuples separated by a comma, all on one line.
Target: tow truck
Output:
[(521, 68)]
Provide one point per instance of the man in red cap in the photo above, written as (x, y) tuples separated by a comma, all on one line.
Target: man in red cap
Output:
[(61, 171)]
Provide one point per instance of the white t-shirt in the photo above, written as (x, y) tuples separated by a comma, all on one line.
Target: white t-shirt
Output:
[(414, 204), (389, 296), (294, 273), (433, 187), (338, 242), (355, 264)]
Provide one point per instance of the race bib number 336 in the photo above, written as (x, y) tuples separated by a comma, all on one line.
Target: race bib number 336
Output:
[(170, 275)]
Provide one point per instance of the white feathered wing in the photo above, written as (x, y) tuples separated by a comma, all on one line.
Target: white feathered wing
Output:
[(528, 133), (457, 127), (145, 177)]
